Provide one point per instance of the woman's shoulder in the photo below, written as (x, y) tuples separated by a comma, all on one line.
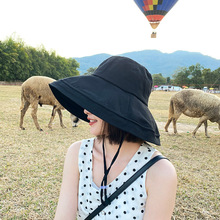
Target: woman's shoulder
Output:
[(73, 150), (164, 168), (75, 147), (163, 171), (161, 186)]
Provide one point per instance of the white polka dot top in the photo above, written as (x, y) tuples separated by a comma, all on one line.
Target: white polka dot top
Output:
[(130, 204)]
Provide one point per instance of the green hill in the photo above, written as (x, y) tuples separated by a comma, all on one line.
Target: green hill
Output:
[(155, 61)]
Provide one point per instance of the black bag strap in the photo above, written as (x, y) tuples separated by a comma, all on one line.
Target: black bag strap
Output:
[(124, 186)]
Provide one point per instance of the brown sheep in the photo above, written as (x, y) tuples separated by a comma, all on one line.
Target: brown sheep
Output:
[(194, 103), (36, 90)]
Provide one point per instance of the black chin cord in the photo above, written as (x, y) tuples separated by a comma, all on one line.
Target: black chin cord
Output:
[(106, 172)]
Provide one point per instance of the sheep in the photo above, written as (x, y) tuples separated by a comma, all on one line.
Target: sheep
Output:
[(194, 103), (74, 120), (35, 90)]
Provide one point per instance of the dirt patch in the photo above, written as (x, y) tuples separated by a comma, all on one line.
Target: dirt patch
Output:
[(186, 128)]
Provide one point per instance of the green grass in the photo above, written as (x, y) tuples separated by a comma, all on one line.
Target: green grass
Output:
[(31, 162)]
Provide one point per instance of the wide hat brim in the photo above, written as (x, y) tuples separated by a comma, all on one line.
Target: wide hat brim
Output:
[(108, 102)]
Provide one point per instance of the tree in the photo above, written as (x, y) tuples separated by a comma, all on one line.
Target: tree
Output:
[(196, 76), (216, 82), (158, 79), (73, 65), (182, 77), (90, 71), (9, 58), (4, 59), (208, 77), (19, 62), (169, 81)]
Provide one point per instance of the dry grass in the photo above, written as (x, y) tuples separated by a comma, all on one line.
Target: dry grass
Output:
[(31, 162)]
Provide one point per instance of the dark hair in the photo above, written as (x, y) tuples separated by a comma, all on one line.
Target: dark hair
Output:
[(114, 135)]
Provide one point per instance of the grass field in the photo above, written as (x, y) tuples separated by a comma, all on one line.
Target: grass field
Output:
[(31, 162)]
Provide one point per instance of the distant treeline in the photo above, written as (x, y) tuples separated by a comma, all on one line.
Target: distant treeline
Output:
[(19, 62), (194, 76)]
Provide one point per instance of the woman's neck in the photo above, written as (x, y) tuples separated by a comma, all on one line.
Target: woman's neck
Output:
[(128, 149), (126, 153)]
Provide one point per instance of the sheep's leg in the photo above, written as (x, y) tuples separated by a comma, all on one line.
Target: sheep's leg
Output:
[(52, 117), (61, 118), (174, 114), (168, 123), (206, 129), (170, 118), (174, 125), (201, 121), (174, 119), (55, 109), (23, 111), (34, 114)]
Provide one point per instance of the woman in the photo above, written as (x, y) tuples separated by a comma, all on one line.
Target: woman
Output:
[(114, 100)]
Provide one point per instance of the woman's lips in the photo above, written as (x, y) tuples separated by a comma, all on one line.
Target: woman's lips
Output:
[(92, 122)]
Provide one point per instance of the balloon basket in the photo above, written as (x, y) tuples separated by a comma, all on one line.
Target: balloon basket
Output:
[(154, 35)]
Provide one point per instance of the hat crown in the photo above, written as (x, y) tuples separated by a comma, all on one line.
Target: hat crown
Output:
[(117, 92), (127, 75)]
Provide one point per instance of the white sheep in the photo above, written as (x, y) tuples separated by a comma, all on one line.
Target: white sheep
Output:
[(36, 90), (194, 103)]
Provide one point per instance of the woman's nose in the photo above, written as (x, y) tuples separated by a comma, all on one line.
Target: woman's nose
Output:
[(86, 112)]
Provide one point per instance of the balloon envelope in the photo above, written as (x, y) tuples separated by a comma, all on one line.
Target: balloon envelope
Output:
[(155, 10)]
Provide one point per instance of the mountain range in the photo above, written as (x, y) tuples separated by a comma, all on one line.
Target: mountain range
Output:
[(155, 61)]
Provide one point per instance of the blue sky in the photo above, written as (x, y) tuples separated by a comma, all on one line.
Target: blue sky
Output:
[(76, 28)]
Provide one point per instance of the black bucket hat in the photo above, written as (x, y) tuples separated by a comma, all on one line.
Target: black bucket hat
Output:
[(117, 92)]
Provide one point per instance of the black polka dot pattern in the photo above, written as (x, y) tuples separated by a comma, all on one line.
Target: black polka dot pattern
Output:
[(129, 204)]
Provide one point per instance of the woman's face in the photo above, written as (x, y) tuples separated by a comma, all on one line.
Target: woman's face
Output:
[(96, 123)]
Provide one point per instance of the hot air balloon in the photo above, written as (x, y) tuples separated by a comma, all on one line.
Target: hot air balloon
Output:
[(155, 10)]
